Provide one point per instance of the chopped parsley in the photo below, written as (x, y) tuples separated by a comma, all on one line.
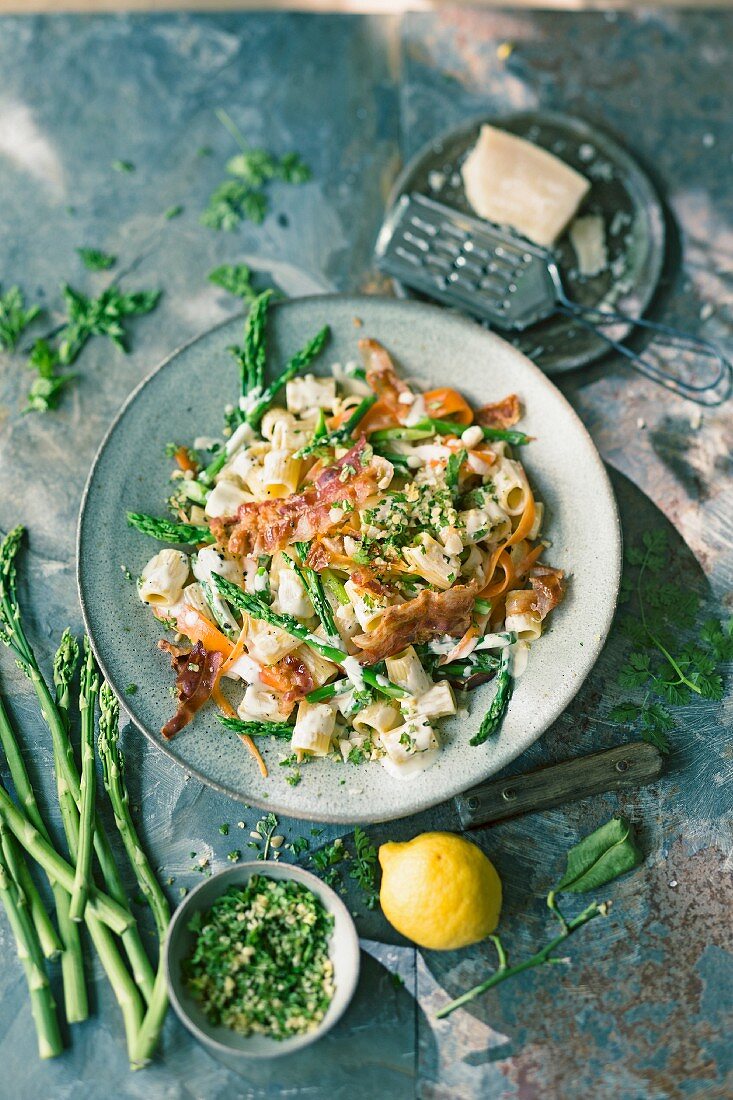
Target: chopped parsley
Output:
[(260, 963)]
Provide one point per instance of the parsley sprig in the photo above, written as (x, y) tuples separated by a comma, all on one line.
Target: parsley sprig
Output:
[(243, 197), (85, 317), (235, 279), (94, 259), (674, 659), (14, 317), (364, 867)]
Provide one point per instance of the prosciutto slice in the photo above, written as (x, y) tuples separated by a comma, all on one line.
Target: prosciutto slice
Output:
[(262, 527), (196, 671), (502, 414), (429, 615), (381, 375), (549, 588), (547, 591)]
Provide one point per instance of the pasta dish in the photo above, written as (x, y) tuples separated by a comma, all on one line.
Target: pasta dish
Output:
[(352, 557)]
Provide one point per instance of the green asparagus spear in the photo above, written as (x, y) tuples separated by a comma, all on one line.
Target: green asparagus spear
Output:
[(51, 944), (427, 427), (259, 610), (88, 692), (314, 587), (113, 769), (72, 961), (253, 358), (499, 703), (29, 952), (340, 435), (13, 635), (166, 530), (257, 729), (299, 362), (126, 992), (114, 915)]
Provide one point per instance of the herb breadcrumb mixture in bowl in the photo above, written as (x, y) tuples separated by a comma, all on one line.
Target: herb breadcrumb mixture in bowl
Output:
[(261, 960)]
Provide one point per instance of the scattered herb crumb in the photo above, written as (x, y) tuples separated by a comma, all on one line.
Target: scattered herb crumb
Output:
[(224, 829), (131, 689), (172, 212), (124, 166), (234, 855)]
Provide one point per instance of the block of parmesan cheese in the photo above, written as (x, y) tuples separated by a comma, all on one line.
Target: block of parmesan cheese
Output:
[(512, 182)]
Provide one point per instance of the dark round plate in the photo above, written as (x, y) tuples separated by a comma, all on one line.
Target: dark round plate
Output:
[(620, 191)]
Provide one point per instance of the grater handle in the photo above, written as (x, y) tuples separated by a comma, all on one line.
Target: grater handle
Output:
[(654, 361)]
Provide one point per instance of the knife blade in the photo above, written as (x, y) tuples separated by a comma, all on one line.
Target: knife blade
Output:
[(631, 765)]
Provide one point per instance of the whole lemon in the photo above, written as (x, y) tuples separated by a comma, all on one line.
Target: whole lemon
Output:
[(439, 890)]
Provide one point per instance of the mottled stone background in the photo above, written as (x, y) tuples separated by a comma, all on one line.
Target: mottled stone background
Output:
[(646, 1010)]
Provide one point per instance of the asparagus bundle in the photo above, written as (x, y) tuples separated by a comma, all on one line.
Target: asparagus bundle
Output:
[(141, 994)]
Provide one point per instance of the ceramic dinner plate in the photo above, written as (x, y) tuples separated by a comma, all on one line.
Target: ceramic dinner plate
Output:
[(184, 398)]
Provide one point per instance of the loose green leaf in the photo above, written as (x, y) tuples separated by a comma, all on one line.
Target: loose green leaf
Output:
[(14, 317), (244, 196), (45, 393), (173, 212), (96, 260), (123, 166), (600, 858), (235, 279)]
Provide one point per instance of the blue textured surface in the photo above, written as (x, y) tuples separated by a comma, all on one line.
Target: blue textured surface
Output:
[(645, 1012)]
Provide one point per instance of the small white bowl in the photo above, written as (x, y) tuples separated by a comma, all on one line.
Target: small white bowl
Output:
[(222, 1041)]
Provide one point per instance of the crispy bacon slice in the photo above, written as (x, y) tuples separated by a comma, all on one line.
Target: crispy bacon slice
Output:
[(196, 671), (427, 616), (317, 557), (364, 578), (263, 527), (502, 414), (383, 379), (549, 588)]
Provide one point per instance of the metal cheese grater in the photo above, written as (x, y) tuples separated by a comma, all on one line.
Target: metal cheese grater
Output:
[(505, 280)]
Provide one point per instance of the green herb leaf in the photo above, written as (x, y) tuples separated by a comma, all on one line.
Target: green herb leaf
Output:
[(14, 317), (235, 279), (96, 260), (244, 196), (124, 166), (600, 858)]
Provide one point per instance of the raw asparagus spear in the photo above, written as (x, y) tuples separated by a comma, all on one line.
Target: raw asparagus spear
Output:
[(13, 635), (29, 951)]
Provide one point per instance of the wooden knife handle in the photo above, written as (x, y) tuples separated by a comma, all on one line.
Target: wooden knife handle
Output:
[(630, 765)]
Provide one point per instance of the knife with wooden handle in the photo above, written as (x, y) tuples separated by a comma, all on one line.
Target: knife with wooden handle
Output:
[(632, 765)]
